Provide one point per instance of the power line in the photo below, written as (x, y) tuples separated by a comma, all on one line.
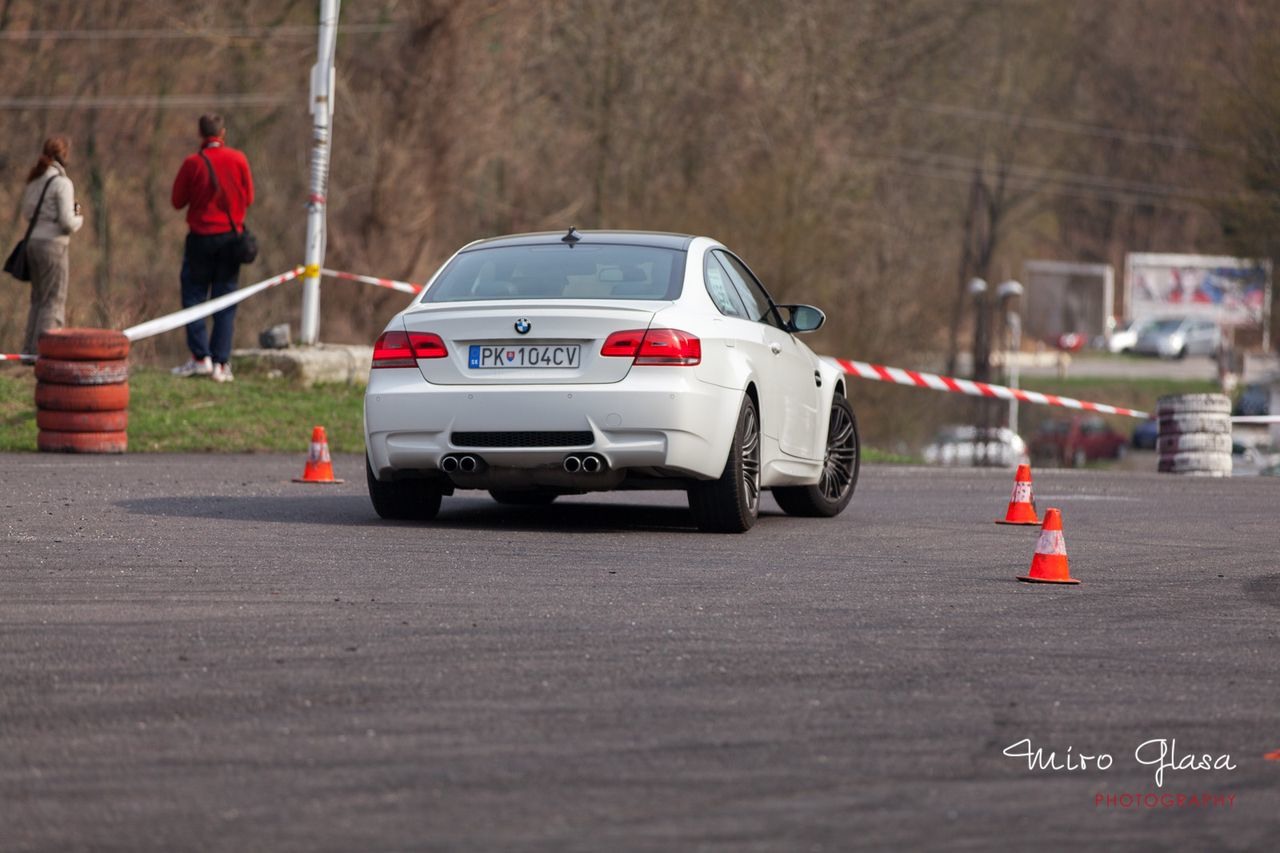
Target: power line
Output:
[(98, 102), (1034, 173), (289, 31), (1080, 128), (956, 174)]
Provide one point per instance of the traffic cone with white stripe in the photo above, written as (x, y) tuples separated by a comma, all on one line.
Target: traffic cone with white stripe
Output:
[(1022, 504), (319, 468), (1049, 565)]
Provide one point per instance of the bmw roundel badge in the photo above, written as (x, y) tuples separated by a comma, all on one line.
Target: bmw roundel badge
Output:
[(523, 326)]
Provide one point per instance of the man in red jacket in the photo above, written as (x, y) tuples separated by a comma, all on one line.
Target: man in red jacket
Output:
[(216, 187)]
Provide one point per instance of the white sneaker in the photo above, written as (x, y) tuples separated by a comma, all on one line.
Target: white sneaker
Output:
[(222, 373), (203, 367)]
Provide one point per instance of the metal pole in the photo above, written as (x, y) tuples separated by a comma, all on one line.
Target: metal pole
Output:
[(322, 117), (1015, 346), (1009, 293)]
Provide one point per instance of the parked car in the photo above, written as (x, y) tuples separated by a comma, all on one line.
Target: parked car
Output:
[(1145, 434), (962, 444), (540, 365), (1179, 337), (1077, 441), (1125, 338), (1254, 400)]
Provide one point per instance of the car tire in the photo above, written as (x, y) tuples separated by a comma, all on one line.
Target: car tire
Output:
[(403, 500), (82, 398), (1079, 459), (57, 421), (731, 503), (832, 493), (1177, 424), (83, 344), (63, 372), (1193, 404), (1195, 462), (52, 441), (1199, 442), (531, 497)]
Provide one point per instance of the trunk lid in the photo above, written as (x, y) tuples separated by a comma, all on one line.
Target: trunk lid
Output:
[(563, 339)]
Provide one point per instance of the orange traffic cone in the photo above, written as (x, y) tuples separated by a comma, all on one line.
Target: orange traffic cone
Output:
[(1049, 565), (1022, 505), (319, 468)]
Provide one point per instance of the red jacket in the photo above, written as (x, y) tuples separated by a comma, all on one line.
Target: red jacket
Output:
[(193, 189)]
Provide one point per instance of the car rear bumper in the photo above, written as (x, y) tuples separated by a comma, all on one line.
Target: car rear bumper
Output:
[(655, 418)]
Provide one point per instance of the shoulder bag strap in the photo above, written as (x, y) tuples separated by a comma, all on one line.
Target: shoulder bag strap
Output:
[(39, 204), (214, 177)]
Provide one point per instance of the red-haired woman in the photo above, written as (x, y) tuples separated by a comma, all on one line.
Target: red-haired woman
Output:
[(57, 218)]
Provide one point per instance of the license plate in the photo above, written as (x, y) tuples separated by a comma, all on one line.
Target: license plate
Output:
[(482, 357)]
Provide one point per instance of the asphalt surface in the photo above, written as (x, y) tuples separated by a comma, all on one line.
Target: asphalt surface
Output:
[(199, 654)]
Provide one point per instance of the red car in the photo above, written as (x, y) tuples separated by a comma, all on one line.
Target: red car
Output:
[(1073, 443)]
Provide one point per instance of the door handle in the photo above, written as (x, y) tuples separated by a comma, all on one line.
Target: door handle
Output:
[(775, 348)]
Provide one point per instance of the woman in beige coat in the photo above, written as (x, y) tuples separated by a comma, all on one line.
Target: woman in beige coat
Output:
[(56, 220)]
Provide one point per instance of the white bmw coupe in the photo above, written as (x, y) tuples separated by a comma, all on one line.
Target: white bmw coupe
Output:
[(541, 365)]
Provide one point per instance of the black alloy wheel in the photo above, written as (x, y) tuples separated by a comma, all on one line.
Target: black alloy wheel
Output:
[(731, 503), (840, 467)]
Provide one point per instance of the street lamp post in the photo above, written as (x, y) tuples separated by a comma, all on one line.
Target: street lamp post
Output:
[(981, 346), (1009, 293), (981, 368)]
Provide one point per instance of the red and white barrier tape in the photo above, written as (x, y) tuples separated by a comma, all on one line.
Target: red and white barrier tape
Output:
[(899, 376), (178, 319), (402, 286)]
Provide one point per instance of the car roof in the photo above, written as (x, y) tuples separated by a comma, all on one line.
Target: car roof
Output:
[(656, 239)]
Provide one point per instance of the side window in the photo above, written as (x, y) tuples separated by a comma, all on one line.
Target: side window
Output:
[(721, 291), (759, 306)]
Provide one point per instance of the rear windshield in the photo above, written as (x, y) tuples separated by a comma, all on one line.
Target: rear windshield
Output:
[(561, 272)]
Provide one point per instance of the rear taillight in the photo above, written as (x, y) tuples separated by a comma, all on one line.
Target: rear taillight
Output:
[(403, 349), (655, 346), (427, 345)]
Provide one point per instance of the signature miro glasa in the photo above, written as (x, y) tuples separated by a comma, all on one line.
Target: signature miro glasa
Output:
[(1160, 753)]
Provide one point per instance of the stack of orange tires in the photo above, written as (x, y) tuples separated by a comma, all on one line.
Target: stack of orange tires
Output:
[(82, 391)]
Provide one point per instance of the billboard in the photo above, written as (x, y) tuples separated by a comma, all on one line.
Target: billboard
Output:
[(1234, 291), (1067, 298)]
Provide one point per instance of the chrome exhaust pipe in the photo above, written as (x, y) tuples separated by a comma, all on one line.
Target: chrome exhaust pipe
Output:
[(449, 464), (592, 464), (468, 464), (572, 464)]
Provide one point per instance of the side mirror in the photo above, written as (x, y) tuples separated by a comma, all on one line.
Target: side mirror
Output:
[(804, 318)]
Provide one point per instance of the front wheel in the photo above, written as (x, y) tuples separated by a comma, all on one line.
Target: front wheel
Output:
[(403, 500), (732, 503), (839, 477)]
